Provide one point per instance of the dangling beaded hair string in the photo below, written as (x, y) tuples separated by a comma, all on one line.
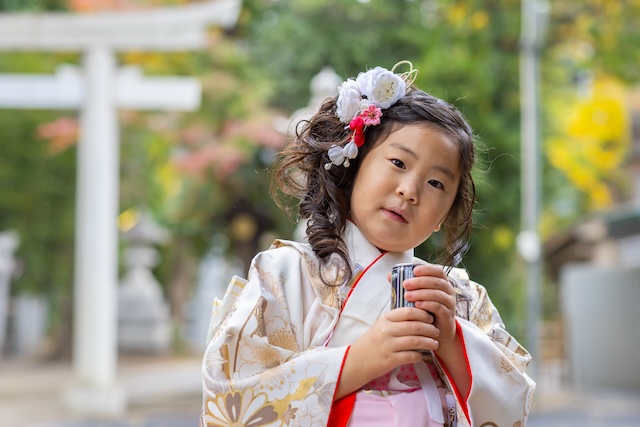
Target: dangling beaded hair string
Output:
[(360, 103)]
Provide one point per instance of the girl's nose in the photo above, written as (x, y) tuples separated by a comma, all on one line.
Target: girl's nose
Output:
[(408, 192)]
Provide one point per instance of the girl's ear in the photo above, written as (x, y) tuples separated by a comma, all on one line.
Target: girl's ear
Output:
[(441, 222)]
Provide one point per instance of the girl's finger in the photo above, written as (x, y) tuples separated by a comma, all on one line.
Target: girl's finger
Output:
[(430, 295), (429, 270), (414, 343), (429, 282), (409, 314)]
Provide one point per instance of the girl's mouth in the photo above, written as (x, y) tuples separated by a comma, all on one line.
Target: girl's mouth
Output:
[(395, 215)]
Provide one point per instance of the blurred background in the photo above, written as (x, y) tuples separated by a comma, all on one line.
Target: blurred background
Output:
[(197, 133)]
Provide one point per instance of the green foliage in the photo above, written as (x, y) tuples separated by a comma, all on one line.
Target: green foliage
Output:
[(37, 195), (292, 40), (31, 5), (597, 35), (37, 200)]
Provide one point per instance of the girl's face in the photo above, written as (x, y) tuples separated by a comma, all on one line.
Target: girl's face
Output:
[(405, 187)]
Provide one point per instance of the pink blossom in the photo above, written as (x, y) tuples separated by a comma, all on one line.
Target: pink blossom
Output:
[(371, 115), (61, 133)]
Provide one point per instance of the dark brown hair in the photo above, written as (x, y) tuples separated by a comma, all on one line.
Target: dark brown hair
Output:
[(324, 195)]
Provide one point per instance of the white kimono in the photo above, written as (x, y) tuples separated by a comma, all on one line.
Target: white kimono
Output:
[(277, 341)]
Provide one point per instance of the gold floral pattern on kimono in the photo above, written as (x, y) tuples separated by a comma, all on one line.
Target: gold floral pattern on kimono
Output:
[(236, 408), (331, 272)]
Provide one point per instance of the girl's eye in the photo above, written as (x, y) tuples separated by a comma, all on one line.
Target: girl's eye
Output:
[(436, 184), (398, 163)]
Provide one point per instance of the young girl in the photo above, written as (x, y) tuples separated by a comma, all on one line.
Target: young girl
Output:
[(311, 337)]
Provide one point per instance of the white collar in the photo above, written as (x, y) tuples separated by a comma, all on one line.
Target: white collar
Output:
[(361, 252)]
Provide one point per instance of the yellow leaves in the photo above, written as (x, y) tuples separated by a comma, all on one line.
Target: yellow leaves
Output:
[(460, 16), (559, 155), (603, 116), (586, 165), (479, 20), (503, 237), (594, 141), (613, 7), (584, 22), (170, 179), (458, 13), (156, 62), (600, 196), (582, 177), (127, 219)]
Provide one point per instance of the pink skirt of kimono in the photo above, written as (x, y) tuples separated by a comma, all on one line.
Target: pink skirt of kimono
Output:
[(396, 410)]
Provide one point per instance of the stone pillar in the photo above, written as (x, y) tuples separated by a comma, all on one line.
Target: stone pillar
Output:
[(95, 349)]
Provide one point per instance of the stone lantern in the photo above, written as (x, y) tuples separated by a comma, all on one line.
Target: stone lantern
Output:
[(323, 85), (143, 315)]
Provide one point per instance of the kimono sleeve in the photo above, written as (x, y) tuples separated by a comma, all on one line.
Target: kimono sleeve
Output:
[(255, 369), (501, 392)]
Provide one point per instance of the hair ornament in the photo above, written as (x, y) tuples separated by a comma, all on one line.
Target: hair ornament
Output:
[(360, 103)]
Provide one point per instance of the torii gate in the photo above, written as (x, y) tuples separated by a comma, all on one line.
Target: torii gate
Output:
[(98, 91)]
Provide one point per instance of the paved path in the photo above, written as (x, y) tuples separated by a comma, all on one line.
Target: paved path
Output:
[(166, 393), (603, 408), (161, 393)]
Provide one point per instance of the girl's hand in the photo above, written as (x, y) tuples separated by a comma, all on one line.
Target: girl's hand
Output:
[(431, 291), (394, 340)]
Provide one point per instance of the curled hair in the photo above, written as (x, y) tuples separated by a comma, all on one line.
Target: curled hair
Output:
[(324, 195)]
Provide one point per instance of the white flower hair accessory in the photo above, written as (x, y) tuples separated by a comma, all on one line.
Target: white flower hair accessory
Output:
[(360, 103)]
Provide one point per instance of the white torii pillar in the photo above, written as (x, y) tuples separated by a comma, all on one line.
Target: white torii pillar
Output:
[(100, 91)]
